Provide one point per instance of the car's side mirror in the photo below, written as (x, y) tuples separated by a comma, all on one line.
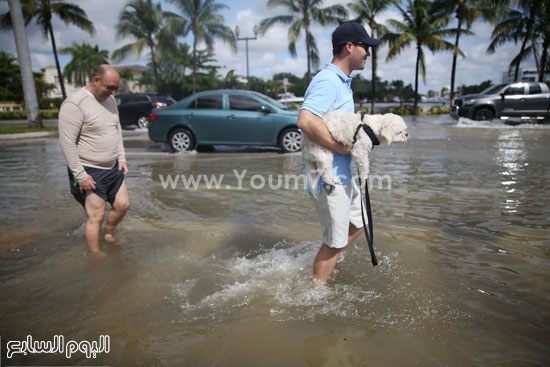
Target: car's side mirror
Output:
[(265, 109), (502, 96)]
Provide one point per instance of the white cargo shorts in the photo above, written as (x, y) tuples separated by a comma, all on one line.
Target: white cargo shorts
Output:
[(337, 207)]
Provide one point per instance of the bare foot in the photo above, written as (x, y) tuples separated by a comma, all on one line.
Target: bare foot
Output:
[(112, 239), (318, 283), (98, 255)]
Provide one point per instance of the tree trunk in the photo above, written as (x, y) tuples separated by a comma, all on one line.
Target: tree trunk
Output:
[(416, 80), (516, 73), (532, 35), (194, 64), (373, 86), (533, 48), (155, 71), (543, 58), (308, 57), (29, 91), (59, 74), (455, 56)]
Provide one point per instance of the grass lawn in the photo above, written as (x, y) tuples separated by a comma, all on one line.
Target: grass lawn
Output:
[(24, 129)]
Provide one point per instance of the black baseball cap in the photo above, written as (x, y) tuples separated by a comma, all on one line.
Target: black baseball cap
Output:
[(352, 32)]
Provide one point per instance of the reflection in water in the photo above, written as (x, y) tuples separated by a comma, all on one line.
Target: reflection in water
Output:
[(511, 157), (222, 276)]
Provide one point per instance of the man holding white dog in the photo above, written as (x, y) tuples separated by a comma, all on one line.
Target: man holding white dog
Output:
[(338, 206)]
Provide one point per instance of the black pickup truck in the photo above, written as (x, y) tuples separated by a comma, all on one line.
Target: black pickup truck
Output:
[(516, 101)]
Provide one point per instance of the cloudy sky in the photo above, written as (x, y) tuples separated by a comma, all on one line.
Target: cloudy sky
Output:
[(269, 53)]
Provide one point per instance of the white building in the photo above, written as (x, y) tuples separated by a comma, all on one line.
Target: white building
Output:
[(527, 75), (51, 77)]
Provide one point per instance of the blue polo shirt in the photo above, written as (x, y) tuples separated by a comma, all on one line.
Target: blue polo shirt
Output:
[(330, 90)]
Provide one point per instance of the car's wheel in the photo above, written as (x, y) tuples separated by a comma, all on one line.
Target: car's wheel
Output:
[(290, 140), (181, 139), (484, 114), (142, 121)]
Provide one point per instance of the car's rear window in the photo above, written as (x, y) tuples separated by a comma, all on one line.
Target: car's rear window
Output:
[(160, 98), (141, 99), (212, 102), (534, 89)]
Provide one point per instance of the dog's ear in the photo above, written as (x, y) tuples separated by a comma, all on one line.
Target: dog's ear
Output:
[(387, 131)]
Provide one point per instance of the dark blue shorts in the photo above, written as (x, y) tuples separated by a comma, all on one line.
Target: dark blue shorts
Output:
[(107, 183)]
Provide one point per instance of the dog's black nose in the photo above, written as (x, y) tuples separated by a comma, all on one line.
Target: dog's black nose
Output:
[(406, 135)]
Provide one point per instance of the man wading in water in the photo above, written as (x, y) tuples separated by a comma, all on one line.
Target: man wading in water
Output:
[(91, 139), (338, 206)]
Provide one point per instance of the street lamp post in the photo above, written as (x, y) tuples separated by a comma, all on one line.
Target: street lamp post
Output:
[(246, 39)]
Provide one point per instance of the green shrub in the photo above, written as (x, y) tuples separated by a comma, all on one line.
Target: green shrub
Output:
[(49, 114), (364, 109), (50, 103), (22, 115), (13, 115), (294, 106), (10, 129), (403, 110), (439, 110)]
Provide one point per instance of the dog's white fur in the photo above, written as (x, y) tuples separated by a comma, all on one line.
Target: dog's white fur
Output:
[(342, 125)]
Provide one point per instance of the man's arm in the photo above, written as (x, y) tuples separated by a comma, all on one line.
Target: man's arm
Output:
[(71, 120), (315, 128)]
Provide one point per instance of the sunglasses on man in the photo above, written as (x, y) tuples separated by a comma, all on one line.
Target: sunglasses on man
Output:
[(111, 88), (361, 44)]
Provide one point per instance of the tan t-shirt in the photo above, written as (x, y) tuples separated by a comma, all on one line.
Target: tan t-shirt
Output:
[(90, 133)]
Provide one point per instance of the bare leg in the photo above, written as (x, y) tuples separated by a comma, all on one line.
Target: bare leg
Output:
[(95, 212), (326, 258), (120, 207)]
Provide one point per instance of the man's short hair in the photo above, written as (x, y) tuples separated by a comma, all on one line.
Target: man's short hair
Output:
[(337, 50), (99, 71)]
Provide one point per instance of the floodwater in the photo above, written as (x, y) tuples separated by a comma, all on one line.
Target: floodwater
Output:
[(220, 275)]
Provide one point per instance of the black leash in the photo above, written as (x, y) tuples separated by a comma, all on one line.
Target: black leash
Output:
[(370, 238)]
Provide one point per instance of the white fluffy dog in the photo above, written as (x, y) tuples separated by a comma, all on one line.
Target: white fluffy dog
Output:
[(342, 126)]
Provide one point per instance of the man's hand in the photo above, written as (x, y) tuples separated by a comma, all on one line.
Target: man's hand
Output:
[(87, 184), (123, 166), (344, 149)]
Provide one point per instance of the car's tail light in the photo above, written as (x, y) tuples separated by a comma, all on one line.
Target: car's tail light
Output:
[(153, 116), (159, 104)]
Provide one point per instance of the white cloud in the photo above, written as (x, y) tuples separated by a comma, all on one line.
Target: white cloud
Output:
[(269, 53)]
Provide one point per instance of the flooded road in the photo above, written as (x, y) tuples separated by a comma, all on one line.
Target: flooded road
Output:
[(216, 263)]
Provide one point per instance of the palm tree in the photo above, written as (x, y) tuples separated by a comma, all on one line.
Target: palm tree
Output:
[(43, 11), (543, 28), (424, 24), (205, 24), (27, 79), (367, 11), (303, 14), (150, 26), (466, 13), (520, 24), (84, 59)]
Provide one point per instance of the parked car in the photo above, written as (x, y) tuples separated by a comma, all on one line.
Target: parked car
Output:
[(226, 117), (516, 100), (135, 108)]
